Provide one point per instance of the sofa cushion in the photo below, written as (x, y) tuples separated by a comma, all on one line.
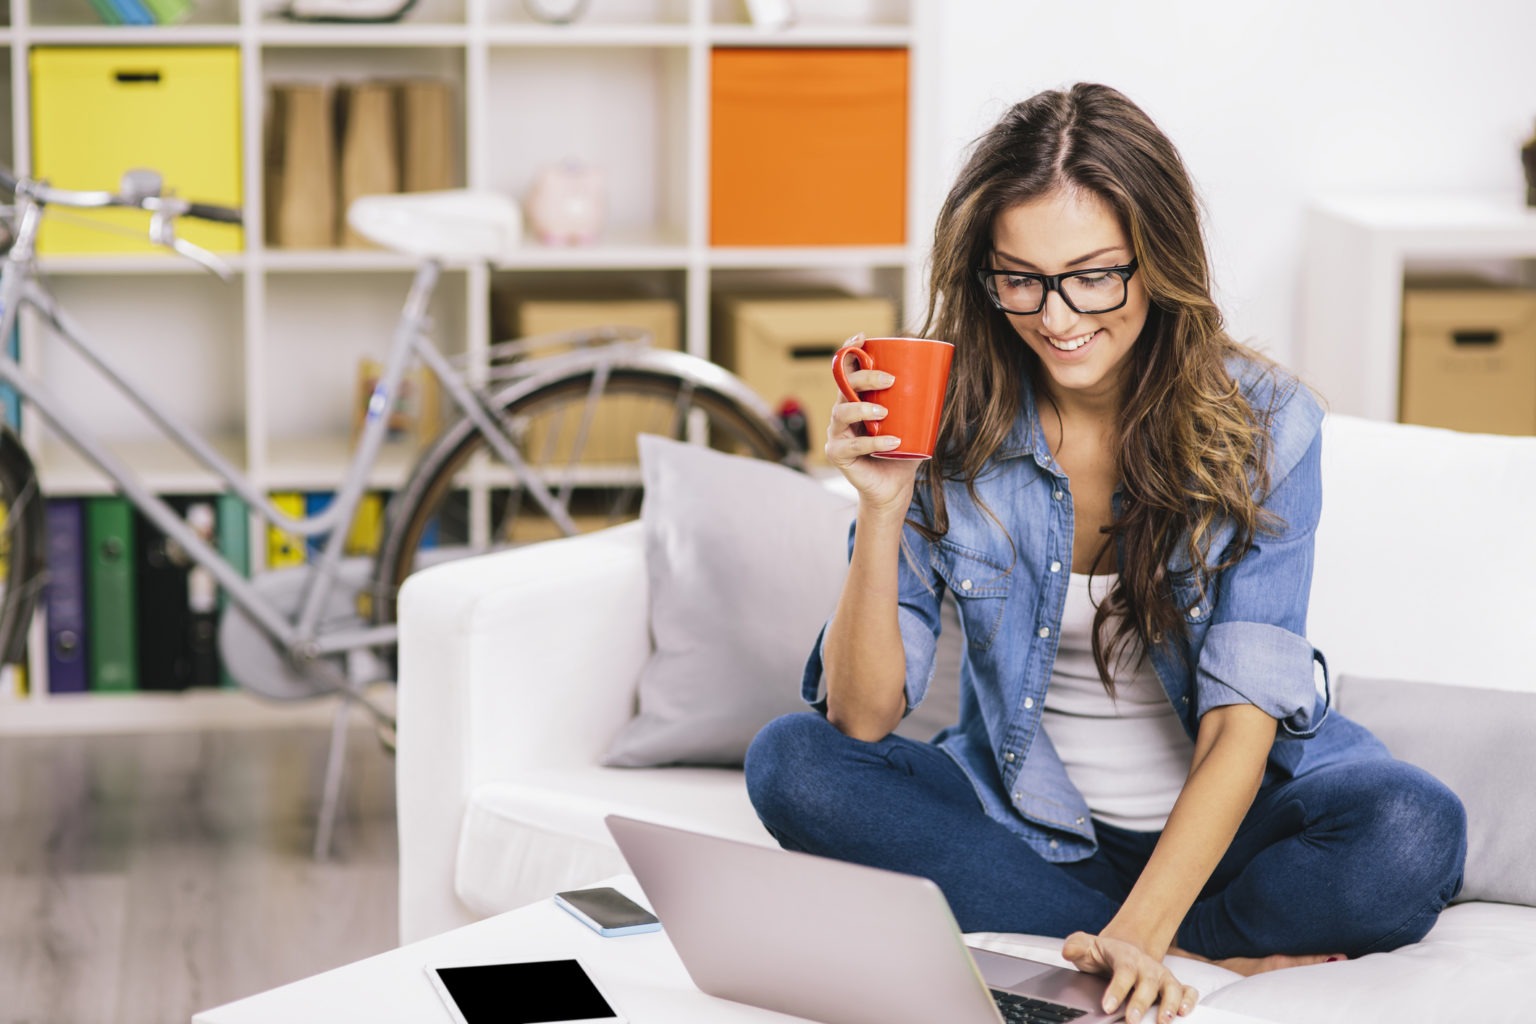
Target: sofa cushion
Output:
[(1479, 743), (745, 560), (1422, 569), (1469, 967)]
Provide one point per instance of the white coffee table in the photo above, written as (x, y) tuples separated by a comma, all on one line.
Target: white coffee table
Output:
[(641, 973)]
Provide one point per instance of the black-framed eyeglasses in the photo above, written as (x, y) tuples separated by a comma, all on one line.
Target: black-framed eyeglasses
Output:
[(1095, 290)]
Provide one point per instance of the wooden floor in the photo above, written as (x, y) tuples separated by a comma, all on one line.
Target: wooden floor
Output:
[(145, 877)]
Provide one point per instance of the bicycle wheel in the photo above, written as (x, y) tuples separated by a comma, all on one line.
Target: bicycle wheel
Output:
[(576, 424), (22, 546)]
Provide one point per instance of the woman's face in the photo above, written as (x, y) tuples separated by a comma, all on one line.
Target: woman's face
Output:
[(1084, 355)]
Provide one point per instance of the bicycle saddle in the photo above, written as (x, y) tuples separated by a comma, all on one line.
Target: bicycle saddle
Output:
[(456, 224)]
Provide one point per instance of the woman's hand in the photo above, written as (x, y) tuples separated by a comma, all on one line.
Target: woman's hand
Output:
[(1132, 973), (883, 484)]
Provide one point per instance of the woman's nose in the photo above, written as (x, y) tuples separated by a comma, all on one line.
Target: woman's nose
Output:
[(1056, 316)]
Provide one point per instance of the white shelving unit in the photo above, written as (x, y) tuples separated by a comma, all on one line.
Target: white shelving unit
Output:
[(1358, 251), (267, 364)]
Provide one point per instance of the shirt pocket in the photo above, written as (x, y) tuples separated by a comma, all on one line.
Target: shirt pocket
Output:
[(980, 583)]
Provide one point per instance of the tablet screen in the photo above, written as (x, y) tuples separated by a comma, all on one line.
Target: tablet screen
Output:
[(541, 992)]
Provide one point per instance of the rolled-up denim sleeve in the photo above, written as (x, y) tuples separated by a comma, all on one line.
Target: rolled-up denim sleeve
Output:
[(919, 594), (1256, 651)]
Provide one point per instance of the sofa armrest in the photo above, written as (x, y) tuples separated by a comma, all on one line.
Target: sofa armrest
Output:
[(523, 658)]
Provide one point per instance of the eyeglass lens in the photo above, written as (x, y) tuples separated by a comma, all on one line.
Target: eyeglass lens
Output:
[(1086, 293)]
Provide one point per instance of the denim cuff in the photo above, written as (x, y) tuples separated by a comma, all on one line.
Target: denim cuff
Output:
[(813, 688), (1266, 666)]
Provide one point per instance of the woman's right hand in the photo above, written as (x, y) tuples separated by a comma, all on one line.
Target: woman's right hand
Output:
[(883, 484)]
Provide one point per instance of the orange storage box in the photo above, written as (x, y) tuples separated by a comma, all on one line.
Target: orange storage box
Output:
[(808, 147)]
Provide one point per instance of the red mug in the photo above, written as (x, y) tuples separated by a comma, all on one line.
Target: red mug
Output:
[(914, 401)]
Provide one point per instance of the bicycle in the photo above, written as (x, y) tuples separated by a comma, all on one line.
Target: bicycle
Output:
[(514, 466)]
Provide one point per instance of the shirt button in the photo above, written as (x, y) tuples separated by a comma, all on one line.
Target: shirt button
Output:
[(1055, 567), (1184, 700), (1018, 796), (965, 584), (1029, 702), (1045, 631), (1081, 820), (1054, 844), (1056, 494), (1008, 757), (1194, 612)]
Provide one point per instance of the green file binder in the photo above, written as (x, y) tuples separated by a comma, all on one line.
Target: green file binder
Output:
[(112, 649)]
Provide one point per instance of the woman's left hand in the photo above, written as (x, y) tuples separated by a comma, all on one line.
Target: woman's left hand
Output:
[(1132, 973)]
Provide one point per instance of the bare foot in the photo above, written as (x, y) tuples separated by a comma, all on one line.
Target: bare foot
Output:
[(1248, 965)]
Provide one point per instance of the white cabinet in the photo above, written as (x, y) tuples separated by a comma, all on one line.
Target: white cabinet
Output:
[(1356, 255), (267, 364)]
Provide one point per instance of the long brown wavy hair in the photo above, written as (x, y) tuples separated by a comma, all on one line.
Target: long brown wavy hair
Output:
[(1192, 449)]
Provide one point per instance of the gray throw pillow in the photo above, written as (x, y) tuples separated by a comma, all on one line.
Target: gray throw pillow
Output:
[(746, 559), (1482, 744)]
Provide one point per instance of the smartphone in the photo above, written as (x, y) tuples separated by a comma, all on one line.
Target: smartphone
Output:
[(607, 911), (529, 992)]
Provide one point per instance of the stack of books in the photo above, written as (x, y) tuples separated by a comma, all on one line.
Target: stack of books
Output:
[(142, 12)]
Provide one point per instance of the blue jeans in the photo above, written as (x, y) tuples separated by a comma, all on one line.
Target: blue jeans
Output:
[(1352, 859)]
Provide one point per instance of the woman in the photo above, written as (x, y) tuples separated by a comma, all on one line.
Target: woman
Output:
[(1123, 505)]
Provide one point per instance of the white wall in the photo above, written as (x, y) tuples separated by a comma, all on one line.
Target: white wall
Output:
[(1268, 102)]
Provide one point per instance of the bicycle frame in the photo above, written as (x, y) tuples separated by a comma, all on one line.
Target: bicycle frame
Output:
[(22, 287)]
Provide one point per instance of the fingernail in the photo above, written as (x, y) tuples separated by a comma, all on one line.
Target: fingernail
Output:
[(889, 442), (1333, 960), (886, 380), (876, 412)]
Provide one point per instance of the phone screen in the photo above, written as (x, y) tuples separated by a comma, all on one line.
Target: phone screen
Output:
[(608, 907), (540, 992)]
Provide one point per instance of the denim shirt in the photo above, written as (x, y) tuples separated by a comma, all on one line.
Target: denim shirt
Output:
[(1245, 640)]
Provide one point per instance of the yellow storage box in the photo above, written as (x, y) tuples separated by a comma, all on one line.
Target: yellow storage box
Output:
[(100, 111)]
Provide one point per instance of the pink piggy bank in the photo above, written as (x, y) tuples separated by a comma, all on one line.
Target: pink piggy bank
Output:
[(565, 205)]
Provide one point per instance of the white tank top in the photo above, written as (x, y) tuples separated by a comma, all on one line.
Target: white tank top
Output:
[(1128, 756)]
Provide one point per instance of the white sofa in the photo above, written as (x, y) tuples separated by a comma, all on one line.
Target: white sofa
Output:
[(517, 670)]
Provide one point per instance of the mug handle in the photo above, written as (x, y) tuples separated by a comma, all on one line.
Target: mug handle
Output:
[(840, 374)]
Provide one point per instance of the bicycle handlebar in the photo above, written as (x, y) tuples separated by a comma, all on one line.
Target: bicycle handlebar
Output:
[(213, 212), (93, 200)]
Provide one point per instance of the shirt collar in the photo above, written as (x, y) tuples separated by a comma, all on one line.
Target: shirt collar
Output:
[(1026, 436)]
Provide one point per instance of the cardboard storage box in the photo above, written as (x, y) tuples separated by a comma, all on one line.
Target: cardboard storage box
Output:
[(808, 147), (611, 435), (1469, 359), (782, 346), (100, 111)]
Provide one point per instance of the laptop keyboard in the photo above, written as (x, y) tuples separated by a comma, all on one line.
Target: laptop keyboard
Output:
[(1023, 1010)]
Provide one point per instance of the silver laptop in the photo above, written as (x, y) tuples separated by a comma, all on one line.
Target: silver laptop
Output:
[(833, 941)]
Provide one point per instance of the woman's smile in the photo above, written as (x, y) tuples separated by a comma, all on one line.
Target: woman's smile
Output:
[(1070, 346)]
